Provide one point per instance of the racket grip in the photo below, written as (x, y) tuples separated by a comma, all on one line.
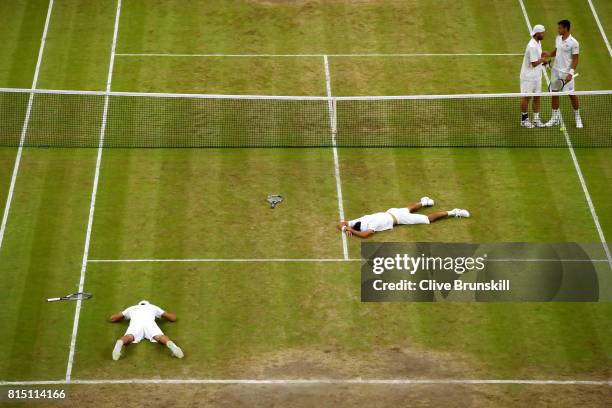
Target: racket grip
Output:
[(53, 299)]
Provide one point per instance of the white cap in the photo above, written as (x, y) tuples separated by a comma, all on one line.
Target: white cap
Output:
[(538, 28)]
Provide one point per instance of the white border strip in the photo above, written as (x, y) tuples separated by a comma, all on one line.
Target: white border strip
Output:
[(312, 260), (601, 30), (314, 381), (393, 55), (298, 97), (570, 147), (77, 313), (26, 122), (213, 260), (332, 118)]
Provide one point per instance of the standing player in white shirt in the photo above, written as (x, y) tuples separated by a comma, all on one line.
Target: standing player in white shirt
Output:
[(531, 77), (566, 55), (367, 225), (142, 325)]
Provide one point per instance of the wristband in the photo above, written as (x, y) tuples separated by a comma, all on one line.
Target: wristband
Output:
[(571, 72)]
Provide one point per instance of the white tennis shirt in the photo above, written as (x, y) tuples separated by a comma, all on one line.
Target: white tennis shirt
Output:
[(377, 222), (143, 313), (565, 49), (533, 52)]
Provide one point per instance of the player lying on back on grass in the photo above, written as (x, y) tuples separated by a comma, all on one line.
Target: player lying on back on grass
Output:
[(369, 224), (142, 325)]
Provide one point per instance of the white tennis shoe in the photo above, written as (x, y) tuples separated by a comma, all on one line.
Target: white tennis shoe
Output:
[(538, 123), (427, 202), (579, 122), (117, 350), (527, 124), (176, 350), (552, 122), (459, 213)]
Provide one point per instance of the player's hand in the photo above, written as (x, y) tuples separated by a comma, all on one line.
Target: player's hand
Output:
[(545, 54), (568, 77), (348, 232)]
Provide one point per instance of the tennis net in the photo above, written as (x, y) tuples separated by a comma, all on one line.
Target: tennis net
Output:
[(148, 120)]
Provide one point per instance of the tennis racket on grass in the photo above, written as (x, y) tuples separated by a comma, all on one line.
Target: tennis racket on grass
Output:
[(274, 199), (72, 296)]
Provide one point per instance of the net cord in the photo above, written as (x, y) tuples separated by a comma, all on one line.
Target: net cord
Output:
[(301, 98)]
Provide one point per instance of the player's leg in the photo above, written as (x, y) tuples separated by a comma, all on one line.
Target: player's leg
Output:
[(423, 202), (535, 106), (576, 105), (554, 119), (525, 122), (165, 340), (123, 341), (457, 213), (438, 215)]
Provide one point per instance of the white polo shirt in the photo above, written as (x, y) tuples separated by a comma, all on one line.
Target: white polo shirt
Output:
[(377, 222), (142, 314), (565, 50), (533, 52)]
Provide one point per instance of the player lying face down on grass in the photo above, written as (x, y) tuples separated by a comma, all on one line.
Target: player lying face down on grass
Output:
[(367, 225), (142, 325)]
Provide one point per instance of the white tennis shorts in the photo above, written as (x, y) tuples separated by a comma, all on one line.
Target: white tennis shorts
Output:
[(144, 331), (405, 217), (531, 86), (555, 74)]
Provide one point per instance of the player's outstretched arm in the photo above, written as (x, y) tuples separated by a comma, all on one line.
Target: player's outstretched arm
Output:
[(360, 234), (117, 317), (171, 317)]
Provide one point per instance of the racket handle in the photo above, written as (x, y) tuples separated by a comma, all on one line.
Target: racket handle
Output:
[(53, 299)]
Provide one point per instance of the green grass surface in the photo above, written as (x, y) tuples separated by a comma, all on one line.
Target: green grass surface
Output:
[(267, 310), (192, 203), (177, 203), (21, 25)]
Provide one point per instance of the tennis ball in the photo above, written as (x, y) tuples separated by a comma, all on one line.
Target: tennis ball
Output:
[(562, 129)]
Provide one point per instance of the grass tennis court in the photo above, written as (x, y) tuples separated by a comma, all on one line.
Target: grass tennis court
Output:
[(295, 312)]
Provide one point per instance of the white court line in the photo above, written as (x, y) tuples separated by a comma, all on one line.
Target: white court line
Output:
[(26, 122), (318, 55), (313, 260), (77, 313), (601, 30), (333, 119), (213, 260), (570, 147), (313, 381)]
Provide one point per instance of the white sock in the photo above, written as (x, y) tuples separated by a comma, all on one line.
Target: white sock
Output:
[(169, 344), (555, 113), (451, 213), (536, 115), (577, 113)]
